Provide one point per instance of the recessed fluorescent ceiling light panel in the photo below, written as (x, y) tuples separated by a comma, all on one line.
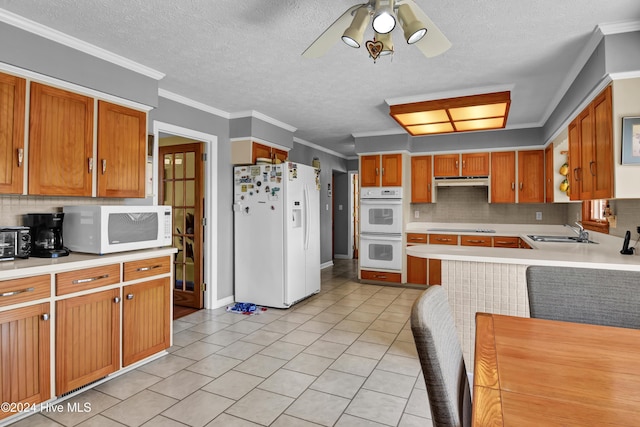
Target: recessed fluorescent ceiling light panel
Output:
[(462, 114)]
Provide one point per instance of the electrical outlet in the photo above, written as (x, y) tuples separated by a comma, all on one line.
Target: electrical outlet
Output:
[(416, 214), (538, 216)]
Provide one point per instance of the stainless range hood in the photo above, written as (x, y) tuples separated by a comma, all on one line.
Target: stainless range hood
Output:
[(463, 181)]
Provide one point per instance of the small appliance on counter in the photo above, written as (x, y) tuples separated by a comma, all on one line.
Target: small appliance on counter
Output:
[(46, 234), (15, 242)]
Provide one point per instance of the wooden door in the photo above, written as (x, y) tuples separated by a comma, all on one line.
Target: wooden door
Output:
[(416, 270), (25, 356), (445, 165), (475, 164), (548, 174), (370, 171), (531, 176), (87, 339), (260, 151), (585, 184), (602, 167), (503, 177), (421, 179), (279, 154), (392, 170), (60, 142), (12, 110), (182, 178), (146, 319), (574, 160), (122, 151)]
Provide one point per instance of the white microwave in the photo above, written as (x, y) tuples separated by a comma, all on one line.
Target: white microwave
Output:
[(101, 230)]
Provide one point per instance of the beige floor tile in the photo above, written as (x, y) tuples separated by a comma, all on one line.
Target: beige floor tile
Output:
[(413, 421), (263, 337), (360, 316), (226, 420), (356, 365), (400, 365), (166, 365), (338, 308), (378, 407), (187, 337), (260, 365), (418, 404), (315, 326), (390, 383), (288, 383), (161, 421), (241, 350), (309, 309), (181, 384), (99, 421), (223, 338), (244, 327), (340, 337), (332, 318), (260, 406), (394, 317), (128, 384), (280, 326), (378, 302), (339, 383), (301, 337), (233, 384), (285, 420), (214, 365), (80, 407), (386, 326), (228, 317), (318, 407), (265, 317), (367, 349), (139, 408), (208, 327), (347, 420), (352, 326), (180, 325), (283, 350), (309, 364), (370, 308), (406, 335), (378, 337), (198, 350), (326, 349), (403, 348), (296, 317), (200, 408), (36, 420)]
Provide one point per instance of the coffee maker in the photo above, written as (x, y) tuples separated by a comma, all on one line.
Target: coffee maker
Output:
[(46, 234)]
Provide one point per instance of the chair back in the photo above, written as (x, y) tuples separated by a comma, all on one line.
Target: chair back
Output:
[(585, 295), (441, 359)]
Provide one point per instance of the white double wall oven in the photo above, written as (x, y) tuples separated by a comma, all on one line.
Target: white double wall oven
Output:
[(381, 228)]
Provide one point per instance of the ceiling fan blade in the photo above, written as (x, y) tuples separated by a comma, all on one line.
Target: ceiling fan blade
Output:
[(434, 42), (332, 34)]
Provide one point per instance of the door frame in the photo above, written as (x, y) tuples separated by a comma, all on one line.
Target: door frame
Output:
[(210, 192), (351, 217)]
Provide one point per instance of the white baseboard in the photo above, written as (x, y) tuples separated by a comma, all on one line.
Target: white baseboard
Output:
[(342, 256), (224, 302), (326, 265)]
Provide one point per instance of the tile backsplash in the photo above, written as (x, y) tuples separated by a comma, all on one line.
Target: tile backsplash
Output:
[(13, 207)]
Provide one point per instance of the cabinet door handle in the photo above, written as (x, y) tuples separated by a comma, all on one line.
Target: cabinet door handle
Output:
[(376, 171), (428, 187), (104, 166), (464, 164), (520, 185), (20, 291), (576, 175), (129, 296), (591, 163), (456, 164), (116, 300), (148, 268), (513, 186), (382, 171), (20, 153), (89, 279), (45, 316), (90, 164)]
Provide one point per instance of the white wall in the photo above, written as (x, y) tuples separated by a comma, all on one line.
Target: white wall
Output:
[(626, 103)]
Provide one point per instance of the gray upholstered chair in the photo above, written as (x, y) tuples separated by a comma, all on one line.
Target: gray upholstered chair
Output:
[(585, 295), (440, 355)]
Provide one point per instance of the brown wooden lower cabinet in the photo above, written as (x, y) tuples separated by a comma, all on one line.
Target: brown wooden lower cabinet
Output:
[(381, 276), (423, 271), (24, 356), (506, 242), (87, 339), (435, 272), (475, 241), (146, 319)]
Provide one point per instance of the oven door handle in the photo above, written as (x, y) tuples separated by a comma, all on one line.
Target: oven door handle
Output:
[(380, 202), (385, 237)]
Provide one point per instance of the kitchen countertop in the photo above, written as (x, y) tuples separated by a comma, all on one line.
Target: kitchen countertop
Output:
[(33, 266), (605, 254)]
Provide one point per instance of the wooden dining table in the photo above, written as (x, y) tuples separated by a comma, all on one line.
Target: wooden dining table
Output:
[(536, 372)]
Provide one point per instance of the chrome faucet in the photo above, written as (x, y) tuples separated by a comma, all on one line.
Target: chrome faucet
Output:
[(583, 236)]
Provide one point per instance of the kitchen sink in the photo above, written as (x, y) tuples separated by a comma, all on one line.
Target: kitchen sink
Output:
[(558, 239)]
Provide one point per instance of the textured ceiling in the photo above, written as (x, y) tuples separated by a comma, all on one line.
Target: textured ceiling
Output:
[(245, 55)]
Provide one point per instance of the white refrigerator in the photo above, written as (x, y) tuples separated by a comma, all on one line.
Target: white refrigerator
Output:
[(276, 233)]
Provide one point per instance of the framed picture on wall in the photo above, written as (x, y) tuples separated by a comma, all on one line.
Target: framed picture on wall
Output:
[(631, 140)]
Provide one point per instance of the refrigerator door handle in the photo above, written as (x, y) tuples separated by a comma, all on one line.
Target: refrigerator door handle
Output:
[(307, 218)]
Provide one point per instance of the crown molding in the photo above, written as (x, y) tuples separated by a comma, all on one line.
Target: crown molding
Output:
[(619, 27), (163, 93), (625, 75), (318, 147), (264, 118), (386, 132), (77, 44), (450, 94)]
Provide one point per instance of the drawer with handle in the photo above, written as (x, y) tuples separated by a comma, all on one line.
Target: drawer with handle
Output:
[(87, 278), (475, 241), (26, 289), (443, 239), (506, 242), (380, 276), (146, 268), (416, 238)]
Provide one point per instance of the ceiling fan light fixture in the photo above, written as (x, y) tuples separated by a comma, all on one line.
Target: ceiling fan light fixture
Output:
[(414, 30), (384, 21), (387, 43), (354, 34)]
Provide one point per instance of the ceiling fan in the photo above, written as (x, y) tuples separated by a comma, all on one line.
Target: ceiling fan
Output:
[(418, 29)]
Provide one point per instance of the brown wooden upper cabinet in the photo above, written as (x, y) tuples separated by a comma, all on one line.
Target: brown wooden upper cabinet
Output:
[(12, 111), (60, 142), (122, 151), (421, 178), (591, 150), (531, 176), (465, 164), (265, 151), (548, 174), (503, 177), (381, 170)]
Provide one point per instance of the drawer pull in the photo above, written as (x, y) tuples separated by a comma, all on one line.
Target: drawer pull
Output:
[(89, 279), (413, 239), (439, 239), (476, 241), (45, 316), (380, 276), (148, 268), (502, 242), (12, 293)]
